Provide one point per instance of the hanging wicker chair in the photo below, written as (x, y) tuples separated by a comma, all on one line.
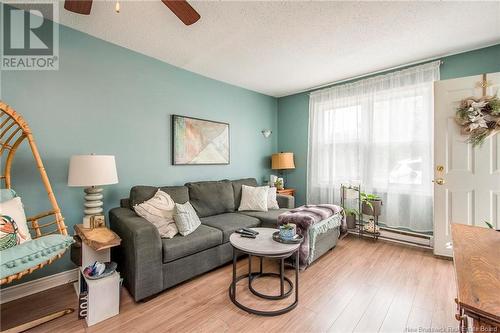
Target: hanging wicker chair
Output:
[(13, 131)]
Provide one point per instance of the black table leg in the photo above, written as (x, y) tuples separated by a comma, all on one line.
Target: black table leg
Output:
[(251, 276), (282, 277), (249, 268), (297, 276), (233, 284)]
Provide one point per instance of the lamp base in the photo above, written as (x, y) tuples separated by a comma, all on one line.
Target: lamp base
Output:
[(93, 201)]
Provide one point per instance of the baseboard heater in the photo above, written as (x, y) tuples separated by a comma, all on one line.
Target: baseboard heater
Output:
[(403, 237)]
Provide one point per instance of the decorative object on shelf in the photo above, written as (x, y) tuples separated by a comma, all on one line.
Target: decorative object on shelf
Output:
[(372, 204), (371, 227), (273, 179), (287, 231), (266, 133), (282, 161), (279, 183), (91, 171), (97, 221), (479, 118), (199, 142), (351, 216), (99, 270)]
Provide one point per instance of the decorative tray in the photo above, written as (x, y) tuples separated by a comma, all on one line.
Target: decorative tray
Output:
[(277, 238)]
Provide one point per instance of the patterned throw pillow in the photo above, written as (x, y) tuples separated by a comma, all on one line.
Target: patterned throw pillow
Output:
[(14, 209), (159, 210), (9, 233), (254, 198), (186, 219)]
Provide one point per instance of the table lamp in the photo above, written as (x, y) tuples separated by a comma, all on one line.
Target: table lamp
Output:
[(282, 161), (90, 172)]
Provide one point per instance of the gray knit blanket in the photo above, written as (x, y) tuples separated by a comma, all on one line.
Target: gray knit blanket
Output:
[(305, 217)]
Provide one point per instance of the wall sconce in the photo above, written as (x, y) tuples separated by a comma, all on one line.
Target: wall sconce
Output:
[(266, 133)]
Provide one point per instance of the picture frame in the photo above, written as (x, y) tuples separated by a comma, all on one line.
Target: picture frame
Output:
[(197, 141)]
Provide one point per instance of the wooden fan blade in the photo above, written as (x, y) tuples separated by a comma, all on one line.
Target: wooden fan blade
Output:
[(78, 6), (183, 10)]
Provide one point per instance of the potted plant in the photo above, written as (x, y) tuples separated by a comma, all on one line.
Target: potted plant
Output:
[(287, 231), (371, 204), (350, 217)]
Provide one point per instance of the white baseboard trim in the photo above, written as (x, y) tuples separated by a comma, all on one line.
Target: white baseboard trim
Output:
[(32, 287)]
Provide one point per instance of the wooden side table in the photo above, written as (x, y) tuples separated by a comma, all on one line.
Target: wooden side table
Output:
[(98, 299), (286, 191)]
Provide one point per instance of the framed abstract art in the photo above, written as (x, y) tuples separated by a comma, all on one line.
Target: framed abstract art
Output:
[(199, 141)]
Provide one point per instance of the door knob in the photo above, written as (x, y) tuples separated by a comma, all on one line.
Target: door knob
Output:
[(439, 181)]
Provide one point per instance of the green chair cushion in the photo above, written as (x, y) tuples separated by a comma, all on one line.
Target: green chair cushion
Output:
[(29, 254)]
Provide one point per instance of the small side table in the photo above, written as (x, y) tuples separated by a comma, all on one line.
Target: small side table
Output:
[(101, 298), (286, 191), (264, 246)]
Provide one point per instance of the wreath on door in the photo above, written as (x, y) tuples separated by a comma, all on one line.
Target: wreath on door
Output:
[(479, 118)]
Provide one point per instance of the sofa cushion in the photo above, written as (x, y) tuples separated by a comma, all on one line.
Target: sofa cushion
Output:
[(204, 237), (141, 193), (229, 223), (211, 197), (269, 219), (237, 188)]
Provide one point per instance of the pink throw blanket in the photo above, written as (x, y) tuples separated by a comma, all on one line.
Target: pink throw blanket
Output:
[(305, 217)]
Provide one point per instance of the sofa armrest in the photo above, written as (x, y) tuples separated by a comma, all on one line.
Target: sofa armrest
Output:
[(285, 201), (139, 255)]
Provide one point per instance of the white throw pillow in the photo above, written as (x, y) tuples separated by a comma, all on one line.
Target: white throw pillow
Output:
[(272, 202), (254, 198), (14, 209), (186, 219), (159, 210)]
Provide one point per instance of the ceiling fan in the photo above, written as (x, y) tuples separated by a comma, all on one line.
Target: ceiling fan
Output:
[(181, 8)]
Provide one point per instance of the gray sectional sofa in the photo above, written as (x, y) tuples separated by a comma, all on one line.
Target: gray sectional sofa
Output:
[(150, 264)]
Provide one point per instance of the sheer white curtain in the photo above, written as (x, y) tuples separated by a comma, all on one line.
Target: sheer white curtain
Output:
[(378, 131)]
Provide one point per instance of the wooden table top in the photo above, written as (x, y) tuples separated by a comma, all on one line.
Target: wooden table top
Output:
[(476, 255), (97, 238)]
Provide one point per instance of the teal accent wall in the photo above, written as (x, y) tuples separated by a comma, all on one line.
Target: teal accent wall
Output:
[(106, 99), (293, 110)]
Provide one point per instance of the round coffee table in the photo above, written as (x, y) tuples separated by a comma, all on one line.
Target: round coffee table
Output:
[(264, 246)]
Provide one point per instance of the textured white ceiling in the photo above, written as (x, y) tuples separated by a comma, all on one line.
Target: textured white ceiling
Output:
[(279, 48)]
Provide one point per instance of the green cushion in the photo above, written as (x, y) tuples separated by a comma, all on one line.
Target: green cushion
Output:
[(204, 237), (29, 254), (229, 223), (211, 197), (7, 194)]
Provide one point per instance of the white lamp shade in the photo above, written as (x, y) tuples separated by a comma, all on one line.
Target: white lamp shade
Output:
[(92, 170)]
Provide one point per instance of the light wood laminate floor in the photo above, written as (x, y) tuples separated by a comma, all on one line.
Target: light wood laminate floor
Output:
[(360, 286)]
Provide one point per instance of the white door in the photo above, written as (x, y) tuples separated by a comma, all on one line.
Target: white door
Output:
[(470, 193)]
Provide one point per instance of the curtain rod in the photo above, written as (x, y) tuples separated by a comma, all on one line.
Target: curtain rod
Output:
[(372, 73)]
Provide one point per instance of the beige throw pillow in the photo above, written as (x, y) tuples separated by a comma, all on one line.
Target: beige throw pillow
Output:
[(254, 198), (186, 218), (159, 210), (272, 202)]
